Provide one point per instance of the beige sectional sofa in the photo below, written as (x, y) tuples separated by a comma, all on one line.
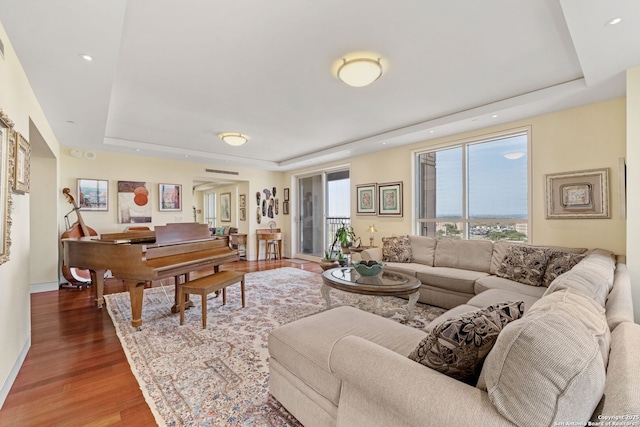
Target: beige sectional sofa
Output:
[(573, 356)]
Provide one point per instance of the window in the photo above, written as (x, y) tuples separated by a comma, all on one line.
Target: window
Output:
[(475, 189)]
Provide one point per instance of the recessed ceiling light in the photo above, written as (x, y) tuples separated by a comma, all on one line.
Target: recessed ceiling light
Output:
[(613, 21), (494, 116), (432, 131), (86, 57)]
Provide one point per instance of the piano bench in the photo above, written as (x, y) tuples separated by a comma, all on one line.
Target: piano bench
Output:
[(207, 284)]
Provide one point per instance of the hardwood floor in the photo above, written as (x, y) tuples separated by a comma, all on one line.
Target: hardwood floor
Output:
[(76, 373)]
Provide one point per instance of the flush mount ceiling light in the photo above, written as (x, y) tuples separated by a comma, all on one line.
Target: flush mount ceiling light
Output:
[(359, 71), (86, 57), (514, 155), (233, 138), (613, 21)]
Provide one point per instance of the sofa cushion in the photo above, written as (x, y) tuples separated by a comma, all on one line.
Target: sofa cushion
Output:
[(500, 249), (545, 368), (472, 255), (408, 268), (423, 249), (457, 347), (396, 249), (622, 388), (583, 309), (524, 264), (453, 279), (619, 304), (592, 277), (494, 282), (494, 296), (559, 263), (303, 347)]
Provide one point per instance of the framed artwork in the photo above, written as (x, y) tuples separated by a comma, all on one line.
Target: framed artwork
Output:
[(390, 199), (580, 194), (169, 197), (243, 201), (285, 208), (6, 141), (93, 194), (225, 207), (22, 164), (243, 214), (133, 202), (366, 202), (286, 194)]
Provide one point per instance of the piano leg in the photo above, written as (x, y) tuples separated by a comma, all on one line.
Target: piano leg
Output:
[(136, 294), (179, 280), (97, 279)]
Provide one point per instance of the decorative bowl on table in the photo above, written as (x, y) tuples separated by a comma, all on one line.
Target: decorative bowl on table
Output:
[(368, 268)]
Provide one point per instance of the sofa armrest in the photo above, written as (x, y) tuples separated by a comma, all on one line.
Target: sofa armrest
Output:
[(372, 254), (377, 381)]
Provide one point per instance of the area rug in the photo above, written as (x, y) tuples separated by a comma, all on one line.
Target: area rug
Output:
[(219, 376)]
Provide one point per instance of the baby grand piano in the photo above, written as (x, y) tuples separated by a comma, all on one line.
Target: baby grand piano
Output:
[(172, 250)]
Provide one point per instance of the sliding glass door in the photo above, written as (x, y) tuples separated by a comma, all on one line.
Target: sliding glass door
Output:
[(324, 204), (311, 208)]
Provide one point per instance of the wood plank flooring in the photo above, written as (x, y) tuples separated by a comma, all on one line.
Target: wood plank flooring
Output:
[(76, 373)]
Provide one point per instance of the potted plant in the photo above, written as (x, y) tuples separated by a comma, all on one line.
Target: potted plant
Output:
[(328, 261), (345, 235)]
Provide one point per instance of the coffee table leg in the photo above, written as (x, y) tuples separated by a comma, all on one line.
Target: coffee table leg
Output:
[(324, 290), (413, 298)]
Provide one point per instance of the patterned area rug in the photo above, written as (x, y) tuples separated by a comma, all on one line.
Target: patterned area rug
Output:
[(219, 376)]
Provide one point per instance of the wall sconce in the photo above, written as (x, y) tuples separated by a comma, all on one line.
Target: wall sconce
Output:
[(372, 229)]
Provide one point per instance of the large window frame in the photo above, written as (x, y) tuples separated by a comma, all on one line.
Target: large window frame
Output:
[(464, 226)]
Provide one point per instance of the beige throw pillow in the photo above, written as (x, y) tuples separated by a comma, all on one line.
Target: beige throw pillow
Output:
[(524, 264), (587, 311), (545, 368), (457, 347), (396, 249)]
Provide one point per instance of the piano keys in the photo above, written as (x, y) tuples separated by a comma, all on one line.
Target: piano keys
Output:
[(172, 250)]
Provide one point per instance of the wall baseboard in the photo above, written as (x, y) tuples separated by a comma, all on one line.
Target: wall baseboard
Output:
[(6, 387), (44, 287)]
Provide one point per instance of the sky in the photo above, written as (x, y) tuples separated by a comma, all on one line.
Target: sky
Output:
[(497, 185)]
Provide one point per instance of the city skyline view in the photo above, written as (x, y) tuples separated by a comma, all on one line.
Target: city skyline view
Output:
[(497, 180)]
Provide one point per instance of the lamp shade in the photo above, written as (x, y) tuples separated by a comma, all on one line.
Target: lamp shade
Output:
[(372, 229), (359, 72), (234, 139)]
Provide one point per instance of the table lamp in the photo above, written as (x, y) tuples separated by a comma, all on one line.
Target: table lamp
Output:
[(372, 229)]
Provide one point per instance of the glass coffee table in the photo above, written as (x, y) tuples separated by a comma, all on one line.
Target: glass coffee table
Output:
[(387, 283)]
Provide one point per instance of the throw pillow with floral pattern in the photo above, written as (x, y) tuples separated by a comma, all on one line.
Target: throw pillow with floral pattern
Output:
[(396, 249)]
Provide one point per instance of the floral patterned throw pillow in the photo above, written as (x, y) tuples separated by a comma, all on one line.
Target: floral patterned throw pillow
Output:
[(458, 346), (559, 263), (524, 264), (396, 249)]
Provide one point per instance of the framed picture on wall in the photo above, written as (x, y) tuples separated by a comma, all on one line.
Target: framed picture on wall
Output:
[(170, 197), (366, 199), (134, 205), (390, 199), (580, 194), (93, 194), (22, 164), (225, 207)]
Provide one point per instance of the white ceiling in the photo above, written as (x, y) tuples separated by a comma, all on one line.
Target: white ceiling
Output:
[(169, 75)]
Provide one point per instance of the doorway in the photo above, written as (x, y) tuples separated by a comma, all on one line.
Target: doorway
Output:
[(324, 204)]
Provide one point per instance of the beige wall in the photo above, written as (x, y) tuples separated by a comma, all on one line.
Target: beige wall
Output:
[(19, 102), (115, 167), (633, 178), (589, 137)]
